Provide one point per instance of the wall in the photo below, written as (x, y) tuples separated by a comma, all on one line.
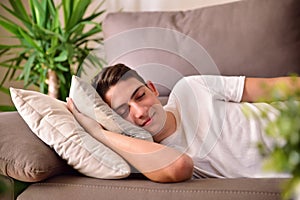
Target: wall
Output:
[(157, 5), (4, 39), (112, 6)]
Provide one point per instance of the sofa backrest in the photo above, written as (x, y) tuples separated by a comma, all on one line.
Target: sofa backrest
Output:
[(258, 38)]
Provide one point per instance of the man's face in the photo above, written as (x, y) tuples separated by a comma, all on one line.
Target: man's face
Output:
[(138, 104)]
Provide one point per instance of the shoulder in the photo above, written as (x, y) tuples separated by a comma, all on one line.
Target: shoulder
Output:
[(189, 85), (216, 86), (191, 79), (201, 80), (213, 80)]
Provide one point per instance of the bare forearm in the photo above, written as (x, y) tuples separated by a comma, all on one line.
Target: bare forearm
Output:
[(260, 89), (155, 161)]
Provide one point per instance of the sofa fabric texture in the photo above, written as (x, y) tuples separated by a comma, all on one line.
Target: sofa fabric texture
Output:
[(23, 155), (63, 187), (259, 38)]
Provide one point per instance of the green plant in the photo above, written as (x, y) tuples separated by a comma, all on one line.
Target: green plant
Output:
[(285, 130), (6, 107), (48, 51)]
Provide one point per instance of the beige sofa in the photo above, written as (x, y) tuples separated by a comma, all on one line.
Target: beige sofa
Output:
[(253, 37)]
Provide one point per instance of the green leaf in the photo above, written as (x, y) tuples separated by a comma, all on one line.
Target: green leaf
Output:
[(97, 7), (51, 7), (61, 67), (91, 32), (19, 9), (93, 16), (61, 77), (7, 108), (96, 29), (30, 41), (66, 4), (11, 27), (45, 42), (42, 80), (7, 47), (5, 76), (11, 66), (36, 11), (47, 14), (19, 12), (63, 56), (3, 89), (76, 16), (49, 33), (56, 24), (27, 68), (75, 31), (3, 64)]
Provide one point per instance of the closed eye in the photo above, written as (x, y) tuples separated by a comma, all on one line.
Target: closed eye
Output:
[(139, 97), (124, 114), (123, 111)]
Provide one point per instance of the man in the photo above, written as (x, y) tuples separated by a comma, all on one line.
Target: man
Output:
[(202, 131)]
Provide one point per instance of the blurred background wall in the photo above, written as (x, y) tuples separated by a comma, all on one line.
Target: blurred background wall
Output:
[(113, 6)]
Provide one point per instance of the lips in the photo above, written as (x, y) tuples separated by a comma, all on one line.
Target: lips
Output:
[(151, 115), (148, 121)]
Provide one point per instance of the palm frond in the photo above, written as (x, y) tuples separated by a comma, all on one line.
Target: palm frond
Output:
[(46, 43)]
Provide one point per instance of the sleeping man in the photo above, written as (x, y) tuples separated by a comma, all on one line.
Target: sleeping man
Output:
[(201, 132)]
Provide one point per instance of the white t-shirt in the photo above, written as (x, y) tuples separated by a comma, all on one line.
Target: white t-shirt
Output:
[(213, 129)]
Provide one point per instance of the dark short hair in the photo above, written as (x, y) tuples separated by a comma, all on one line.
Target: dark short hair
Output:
[(110, 76)]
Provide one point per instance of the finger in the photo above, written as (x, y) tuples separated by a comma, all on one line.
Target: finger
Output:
[(71, 105)]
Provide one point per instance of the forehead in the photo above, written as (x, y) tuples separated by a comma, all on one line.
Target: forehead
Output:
[(122, 91)]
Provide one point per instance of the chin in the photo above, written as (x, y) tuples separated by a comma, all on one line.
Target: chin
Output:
[(158, 116), (156, 127)]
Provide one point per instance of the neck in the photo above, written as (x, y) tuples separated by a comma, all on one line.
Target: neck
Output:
[(169, 128)]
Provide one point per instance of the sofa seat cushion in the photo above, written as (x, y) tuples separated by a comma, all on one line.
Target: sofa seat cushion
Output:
[(66, 187)]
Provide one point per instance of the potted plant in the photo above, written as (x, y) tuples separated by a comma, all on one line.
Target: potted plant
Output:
[(49, 51), (284, 156)]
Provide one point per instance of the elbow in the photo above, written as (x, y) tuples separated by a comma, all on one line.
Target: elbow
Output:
[(178, 171), (183, 169)]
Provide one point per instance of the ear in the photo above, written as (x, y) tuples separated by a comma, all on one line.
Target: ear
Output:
[(152, 87)]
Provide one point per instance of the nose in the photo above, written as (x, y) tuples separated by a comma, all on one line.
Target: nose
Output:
[(138, 111)]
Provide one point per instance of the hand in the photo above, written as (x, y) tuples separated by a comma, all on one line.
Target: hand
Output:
[(89, 124), (71, 106)]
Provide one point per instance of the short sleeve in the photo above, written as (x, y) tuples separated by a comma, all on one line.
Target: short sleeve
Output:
[(225, 88), (234, 88)]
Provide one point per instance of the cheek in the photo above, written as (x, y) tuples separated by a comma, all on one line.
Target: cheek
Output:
[(159, 117), (130, 119), (153, 104), (152, 100)]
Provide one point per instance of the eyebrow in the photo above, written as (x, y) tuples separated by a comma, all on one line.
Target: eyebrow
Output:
[(131, 97)]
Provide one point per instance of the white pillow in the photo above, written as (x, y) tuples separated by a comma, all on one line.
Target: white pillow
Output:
[(54, 124), (89, 102)]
